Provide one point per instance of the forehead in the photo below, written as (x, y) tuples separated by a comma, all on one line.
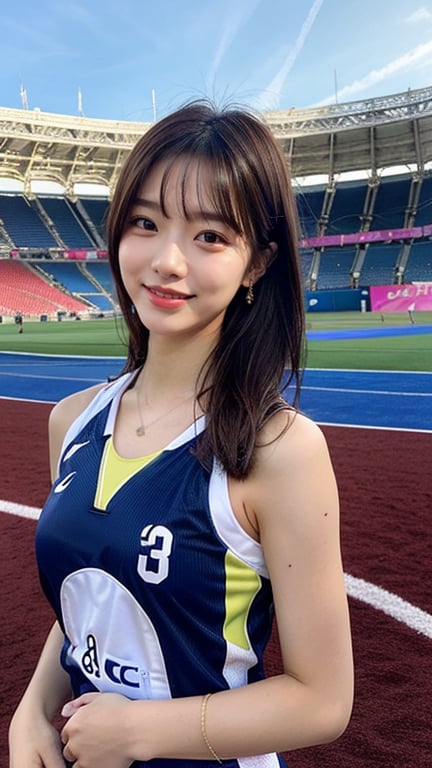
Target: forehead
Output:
[(180, 185)]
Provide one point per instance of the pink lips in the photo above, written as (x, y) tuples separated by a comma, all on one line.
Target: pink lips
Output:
[(166, 298)]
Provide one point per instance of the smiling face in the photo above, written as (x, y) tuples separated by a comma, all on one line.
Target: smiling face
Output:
[(180, 262)]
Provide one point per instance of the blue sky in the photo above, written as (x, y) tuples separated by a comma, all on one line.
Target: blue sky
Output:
[(136, 59)]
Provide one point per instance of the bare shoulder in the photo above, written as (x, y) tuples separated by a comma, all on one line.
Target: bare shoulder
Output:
[(290, 441), (69, 408), (293, 478), (63, 415)]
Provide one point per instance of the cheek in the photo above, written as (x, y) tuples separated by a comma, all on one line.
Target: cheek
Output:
[(127, 267), (227, 274), (122, 262), (122, 251), (130, 257)]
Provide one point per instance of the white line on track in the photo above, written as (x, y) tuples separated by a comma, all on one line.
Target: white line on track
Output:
[(19, 509), (379, 371), (45, 376), (391, 604), (374, 426), (368, 391)]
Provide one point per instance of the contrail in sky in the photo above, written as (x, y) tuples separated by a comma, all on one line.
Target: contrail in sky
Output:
[(270, 98), (238, 18), (406, 62)]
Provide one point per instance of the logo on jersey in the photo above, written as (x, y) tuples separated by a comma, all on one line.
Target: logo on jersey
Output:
[(73, 449), (65, 483), (115, 670), (156, 546), (89, 659)]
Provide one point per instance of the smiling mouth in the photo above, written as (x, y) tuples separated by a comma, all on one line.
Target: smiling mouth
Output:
[(167, 294)]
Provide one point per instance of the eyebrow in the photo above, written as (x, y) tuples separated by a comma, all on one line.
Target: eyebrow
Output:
[(192, 215)]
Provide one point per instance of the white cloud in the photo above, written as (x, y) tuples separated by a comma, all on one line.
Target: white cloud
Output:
[(406, 63), (270, 97), (420, 15)]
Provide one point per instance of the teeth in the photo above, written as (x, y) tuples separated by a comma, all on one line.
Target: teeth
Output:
[(167, 295)]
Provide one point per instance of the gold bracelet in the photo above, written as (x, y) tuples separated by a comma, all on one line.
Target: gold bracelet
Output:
[(204, 729)]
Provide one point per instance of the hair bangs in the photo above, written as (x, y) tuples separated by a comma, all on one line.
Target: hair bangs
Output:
[(215, 187)]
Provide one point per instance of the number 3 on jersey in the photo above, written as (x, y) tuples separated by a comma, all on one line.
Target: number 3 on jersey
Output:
[(153, 564)]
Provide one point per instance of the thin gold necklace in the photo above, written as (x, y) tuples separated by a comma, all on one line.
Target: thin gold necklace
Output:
[(141, 429)]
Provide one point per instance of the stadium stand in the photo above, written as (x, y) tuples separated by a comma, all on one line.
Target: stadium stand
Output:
[(391, 203), (309, 206), (23, 223), (66, 223), (24, 291), (335, 268), (81, 282), (347, 209), (424, 205), (95, 210), (70, 276), (419, 265), (374, 229), (379, 265)]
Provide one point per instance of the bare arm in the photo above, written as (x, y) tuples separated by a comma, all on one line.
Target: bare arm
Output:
[(49, 687), (32, 739), (294, 499)]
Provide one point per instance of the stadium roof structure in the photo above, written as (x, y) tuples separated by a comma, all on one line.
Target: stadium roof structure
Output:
[(369, 135), (363, 135)]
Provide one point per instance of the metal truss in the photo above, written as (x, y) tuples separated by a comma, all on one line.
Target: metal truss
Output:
[(371, 134)]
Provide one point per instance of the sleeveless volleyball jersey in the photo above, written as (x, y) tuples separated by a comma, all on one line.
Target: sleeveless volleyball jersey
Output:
[(158, 589)]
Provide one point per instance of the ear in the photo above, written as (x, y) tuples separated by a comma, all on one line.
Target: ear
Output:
[(263, 260)]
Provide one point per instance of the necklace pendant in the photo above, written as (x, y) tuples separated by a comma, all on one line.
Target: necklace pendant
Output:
[(140, 431)]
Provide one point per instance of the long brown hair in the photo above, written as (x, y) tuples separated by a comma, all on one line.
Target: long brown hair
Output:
[(258, 343)]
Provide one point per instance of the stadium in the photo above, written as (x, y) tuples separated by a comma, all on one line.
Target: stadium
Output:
[(362, 176)]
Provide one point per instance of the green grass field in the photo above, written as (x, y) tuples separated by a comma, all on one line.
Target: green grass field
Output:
[(106, 337)]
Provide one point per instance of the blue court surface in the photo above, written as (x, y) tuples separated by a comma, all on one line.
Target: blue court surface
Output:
[(393, 400), (368, 333)]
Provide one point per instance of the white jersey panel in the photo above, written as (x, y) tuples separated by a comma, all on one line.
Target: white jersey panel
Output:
[(96, 637)]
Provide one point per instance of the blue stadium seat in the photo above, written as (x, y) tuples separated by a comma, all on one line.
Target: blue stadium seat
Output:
[(309, 206), (346, 210), (66, 222), (379, 265), (23, 223), (335, 268), (390, 204), (419, 266), (424, 206)]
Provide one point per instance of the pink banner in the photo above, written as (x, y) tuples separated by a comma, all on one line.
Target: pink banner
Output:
[(81, 255), (372, 236), (75, 255), (415, 297)]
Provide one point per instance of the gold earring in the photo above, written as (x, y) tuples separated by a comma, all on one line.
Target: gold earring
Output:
[(250, 294)]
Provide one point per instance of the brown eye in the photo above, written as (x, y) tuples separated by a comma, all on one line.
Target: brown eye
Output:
[(212, 238), (143, 223)]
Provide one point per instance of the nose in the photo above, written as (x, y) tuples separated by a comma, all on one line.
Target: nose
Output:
[(169, 259)]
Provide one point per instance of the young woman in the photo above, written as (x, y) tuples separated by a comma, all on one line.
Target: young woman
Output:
[(189, 500)]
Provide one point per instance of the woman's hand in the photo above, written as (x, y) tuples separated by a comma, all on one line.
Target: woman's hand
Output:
[(95, 734)]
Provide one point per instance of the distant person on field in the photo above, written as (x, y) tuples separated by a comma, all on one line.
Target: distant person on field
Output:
[(190, 501), (19, 320)]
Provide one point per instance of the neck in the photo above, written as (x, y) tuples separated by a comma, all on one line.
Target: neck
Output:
[(182, 361)]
